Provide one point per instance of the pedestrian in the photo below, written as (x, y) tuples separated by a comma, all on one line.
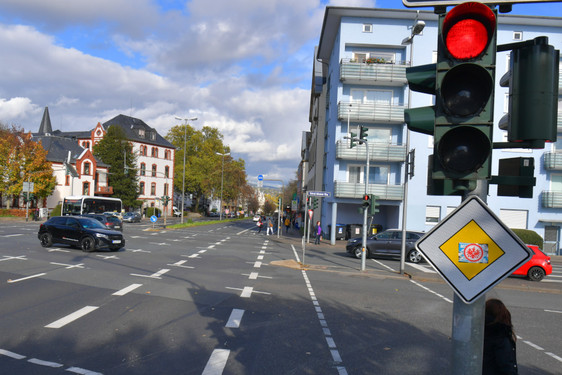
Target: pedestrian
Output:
[(318, 233), (269, 226), (260, 225), (499, 356), (287, 224)]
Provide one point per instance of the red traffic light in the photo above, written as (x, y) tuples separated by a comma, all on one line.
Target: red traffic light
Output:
[(468, 29), (366, 197)]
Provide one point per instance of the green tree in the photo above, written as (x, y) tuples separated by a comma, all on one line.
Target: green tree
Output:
[(116, 151)]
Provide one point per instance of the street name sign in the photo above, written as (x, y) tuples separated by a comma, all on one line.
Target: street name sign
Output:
[(325, 194), (473, 250)]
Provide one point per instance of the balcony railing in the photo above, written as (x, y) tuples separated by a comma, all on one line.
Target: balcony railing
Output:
[(553, 161), (377, 152), (103, 190), (371, 112), (559, 123), (551, 199), (361, 72), (355, 190)]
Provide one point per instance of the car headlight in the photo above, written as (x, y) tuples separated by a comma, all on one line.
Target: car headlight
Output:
[(101, 235)]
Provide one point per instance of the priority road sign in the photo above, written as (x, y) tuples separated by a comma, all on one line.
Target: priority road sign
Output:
[(473, 250)]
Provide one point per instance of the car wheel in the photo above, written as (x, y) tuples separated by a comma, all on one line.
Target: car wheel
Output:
[(536, 274), (46, 239), (414, 256), (88, 244), (359, 253)]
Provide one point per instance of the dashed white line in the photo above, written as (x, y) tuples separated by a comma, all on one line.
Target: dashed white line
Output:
[(26, 278), (71, 317), (235, 318), (126, 290), (217, 362), (10, 354), (45, 363)]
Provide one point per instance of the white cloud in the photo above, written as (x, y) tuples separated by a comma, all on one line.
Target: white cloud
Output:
[(11, 109)]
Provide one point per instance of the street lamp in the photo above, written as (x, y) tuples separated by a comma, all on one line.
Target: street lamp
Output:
[(417, 29), (184, 152), (222, 177)]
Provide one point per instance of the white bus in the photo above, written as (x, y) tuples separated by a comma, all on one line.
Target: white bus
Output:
[(83, 204)]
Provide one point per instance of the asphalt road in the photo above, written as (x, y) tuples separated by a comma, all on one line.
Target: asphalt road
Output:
[(221, 299)]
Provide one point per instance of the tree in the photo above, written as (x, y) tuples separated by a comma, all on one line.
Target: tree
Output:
[(22, 159), (116, 151)]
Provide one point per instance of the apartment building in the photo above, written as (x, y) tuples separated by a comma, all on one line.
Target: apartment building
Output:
[(359, 80)]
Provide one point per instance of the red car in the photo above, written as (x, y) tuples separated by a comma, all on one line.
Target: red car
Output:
[(537, 267)]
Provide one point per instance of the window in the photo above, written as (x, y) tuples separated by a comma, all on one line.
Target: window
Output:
[(432, 214), (153, 188), (67, 180), (379, 174), (367, 28), (143, 169), (141, 133), (518, 35), (86, 188), (153, 170), (87, 168), (141, 188), (371, 96), (379, 135), (167, 155), (167, 171), (165, 189), (360, 57), (154, 152), (354, 174), (514, 218), (153, 135)]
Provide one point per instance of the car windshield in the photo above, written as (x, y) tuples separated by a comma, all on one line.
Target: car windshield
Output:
[(91, 223), (113, 219)]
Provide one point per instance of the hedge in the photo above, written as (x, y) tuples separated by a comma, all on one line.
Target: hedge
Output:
[(529, 237)]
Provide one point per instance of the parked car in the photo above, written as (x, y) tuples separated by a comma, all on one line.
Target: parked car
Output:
[(177, 211), (132, 217), (537, 267), (84, 232), (118, 215), (110, 221), (387, 243)]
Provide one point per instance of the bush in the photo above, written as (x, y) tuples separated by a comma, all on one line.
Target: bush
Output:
[(18, 212), (56, 211), (529, 237), (152, 211)]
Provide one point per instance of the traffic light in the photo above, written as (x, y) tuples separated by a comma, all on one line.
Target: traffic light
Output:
[(353, 137), (363, 132), (466, 56), (165, 200), (373, 205), (315, 203), (533, 93), (366, 201)]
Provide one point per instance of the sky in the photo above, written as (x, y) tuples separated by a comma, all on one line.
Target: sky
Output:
[(242, 66)]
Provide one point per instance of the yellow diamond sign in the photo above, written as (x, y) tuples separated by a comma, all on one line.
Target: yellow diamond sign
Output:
[(472, 249), (457, 250)]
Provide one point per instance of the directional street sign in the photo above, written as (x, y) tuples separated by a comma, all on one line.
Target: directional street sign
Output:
[(153, 218), (260, 177), (324, 194), (473, 250)]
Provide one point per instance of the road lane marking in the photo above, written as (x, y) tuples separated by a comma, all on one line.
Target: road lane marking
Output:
[(10, 354), (431, 291), (44, 363), (6, 257), (554, 311), (235, 318), (126, 290), (82, 371), (247, 292), (384, 265), (106, 257), (257, 264), (253, 276), (217, 362), (68, 266), (12, 235), (421, 268), (155, 275), (26, 278), (72, 317), (554, 356)]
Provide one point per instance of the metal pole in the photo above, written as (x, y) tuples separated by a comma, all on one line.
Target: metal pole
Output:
[(365, 213), (183, 182), (468, 320), (222, 177), (305, 231)]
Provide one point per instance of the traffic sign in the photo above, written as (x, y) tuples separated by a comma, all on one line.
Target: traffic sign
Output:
[(473, 250), (153, 218), (260, 177), (324, 194)]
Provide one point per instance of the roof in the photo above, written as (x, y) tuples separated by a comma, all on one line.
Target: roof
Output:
[(58, 147), (45, 127), (131, 127)]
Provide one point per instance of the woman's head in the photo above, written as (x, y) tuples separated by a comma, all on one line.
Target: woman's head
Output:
[(500, 313)]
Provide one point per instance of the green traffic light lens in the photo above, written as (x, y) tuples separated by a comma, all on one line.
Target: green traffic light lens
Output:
[(464, 149), (466, 89)]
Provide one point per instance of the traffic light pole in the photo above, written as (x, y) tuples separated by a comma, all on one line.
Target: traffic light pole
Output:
[(366, 211)]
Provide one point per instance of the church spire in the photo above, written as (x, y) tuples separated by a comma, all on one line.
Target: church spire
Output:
[(45, 128)]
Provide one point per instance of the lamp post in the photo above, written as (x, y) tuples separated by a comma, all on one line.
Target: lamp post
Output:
[(184, 152), (417, 29), (222, 178)]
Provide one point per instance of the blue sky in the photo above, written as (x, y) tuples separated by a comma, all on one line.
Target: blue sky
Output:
[(243, 66)]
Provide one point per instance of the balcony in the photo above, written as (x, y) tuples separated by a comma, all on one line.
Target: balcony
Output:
[(371, 112), (354, 190), (553, 161), (103, 190), (559, 123), (551, 199), (377, 152), (355, 72)]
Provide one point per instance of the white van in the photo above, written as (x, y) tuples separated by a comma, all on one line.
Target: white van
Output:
[(177, 211)]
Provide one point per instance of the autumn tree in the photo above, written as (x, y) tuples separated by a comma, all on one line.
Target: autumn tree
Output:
[(22, 159), (116, 151)]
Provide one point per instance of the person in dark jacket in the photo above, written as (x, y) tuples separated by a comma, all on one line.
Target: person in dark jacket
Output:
[(499, 341)]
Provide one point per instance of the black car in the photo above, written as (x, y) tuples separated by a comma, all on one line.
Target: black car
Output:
[(132, 217), (387, 243), (109, 221), (84, 232)]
